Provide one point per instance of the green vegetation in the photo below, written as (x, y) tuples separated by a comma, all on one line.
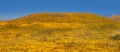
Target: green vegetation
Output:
[(116, 37)]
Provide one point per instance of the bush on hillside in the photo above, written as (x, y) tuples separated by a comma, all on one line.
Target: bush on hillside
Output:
[(10, 26), (109, 27), (116, 37)]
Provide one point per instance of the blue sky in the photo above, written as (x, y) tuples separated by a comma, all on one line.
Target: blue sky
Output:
[(10, 9)]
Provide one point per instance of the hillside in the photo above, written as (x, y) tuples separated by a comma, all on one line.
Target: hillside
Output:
[(115, 18), (62, 17), (60, 32)]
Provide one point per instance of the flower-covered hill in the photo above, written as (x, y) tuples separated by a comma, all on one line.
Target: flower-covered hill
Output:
[(60, 32)]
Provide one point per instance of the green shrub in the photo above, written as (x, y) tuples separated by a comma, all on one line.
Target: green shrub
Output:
[(116, 37), (10, 27), (108, 27)]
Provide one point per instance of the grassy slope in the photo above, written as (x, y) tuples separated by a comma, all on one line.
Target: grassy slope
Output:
[(60, 32), (115, 18)]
